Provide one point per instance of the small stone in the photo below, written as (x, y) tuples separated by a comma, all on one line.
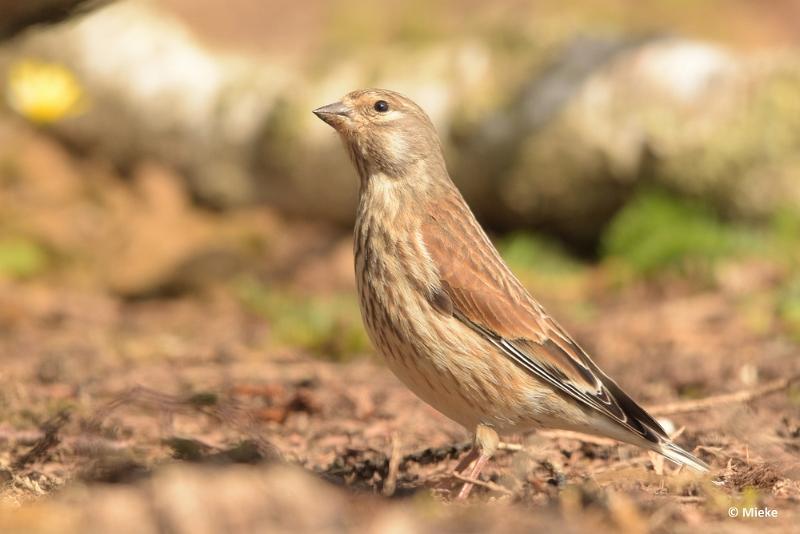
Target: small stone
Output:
[(6, 475)]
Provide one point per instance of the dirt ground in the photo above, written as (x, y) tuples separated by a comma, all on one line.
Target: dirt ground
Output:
[(144, 390), (174, 415), (141, 393)]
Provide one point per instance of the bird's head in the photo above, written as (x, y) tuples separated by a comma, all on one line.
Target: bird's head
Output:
[(385, 133)]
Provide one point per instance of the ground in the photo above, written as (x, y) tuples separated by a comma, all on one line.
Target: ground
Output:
[(148, 405), (170, 368)]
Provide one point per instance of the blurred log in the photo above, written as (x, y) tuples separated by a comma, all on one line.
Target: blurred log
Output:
[(687, 116), (15, 16), (154, 92), (552, 140), (238, 127)]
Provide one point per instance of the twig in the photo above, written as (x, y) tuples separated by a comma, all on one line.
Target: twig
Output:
[(513, 447), (390, 484), (225, 410), (726, 398), (488, 485), (49, 440), (684, 499), (569, 434)]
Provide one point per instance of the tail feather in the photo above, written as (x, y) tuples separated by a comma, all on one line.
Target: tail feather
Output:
[(654, 439), (640, 428), (680, 456)]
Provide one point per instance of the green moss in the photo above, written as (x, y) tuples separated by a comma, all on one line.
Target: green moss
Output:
[(21, 258), (785, 238), (329, 325), (527, 251), (657, 231), (203, 398), (692, 391), (757, 312), (750, 497), (788, 307)]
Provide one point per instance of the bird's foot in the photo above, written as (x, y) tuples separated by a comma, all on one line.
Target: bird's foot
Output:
[(486, 441)]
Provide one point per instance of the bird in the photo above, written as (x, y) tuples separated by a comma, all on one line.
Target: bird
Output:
[(451, 320)]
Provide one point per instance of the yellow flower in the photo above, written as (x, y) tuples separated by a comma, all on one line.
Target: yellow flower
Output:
[(43, 92)]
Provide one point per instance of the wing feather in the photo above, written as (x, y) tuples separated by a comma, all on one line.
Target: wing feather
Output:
[(484, 295)]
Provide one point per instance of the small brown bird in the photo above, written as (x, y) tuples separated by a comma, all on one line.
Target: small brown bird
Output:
[(450, 318)]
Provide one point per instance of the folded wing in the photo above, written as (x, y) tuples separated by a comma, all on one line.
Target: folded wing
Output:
[(478, 289)]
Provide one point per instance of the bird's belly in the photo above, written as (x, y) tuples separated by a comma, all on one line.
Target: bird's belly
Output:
[(447, 366), (440, 389)]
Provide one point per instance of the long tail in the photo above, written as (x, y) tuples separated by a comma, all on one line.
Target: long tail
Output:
[(640, 428), (680, 456)]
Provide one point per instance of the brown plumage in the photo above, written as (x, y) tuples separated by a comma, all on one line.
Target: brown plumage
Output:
[(453, 322)]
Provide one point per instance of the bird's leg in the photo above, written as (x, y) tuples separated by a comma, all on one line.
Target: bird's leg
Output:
[(467, 460), (486, 441)]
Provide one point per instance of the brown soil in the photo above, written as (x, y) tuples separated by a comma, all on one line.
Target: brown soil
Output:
[(171, 401)]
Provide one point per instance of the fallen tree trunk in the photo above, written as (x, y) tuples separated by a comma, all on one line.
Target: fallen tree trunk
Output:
[(535, 138), (16, 16)]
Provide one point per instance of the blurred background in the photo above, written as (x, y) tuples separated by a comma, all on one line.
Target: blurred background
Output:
[(173, 216)]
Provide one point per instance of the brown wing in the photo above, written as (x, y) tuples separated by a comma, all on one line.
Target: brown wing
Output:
[(479, 289)]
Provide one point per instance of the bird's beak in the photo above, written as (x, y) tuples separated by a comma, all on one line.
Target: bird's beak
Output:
[(334, 114)]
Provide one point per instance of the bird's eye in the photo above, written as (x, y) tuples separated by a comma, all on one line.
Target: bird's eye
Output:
[(381, 106)]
